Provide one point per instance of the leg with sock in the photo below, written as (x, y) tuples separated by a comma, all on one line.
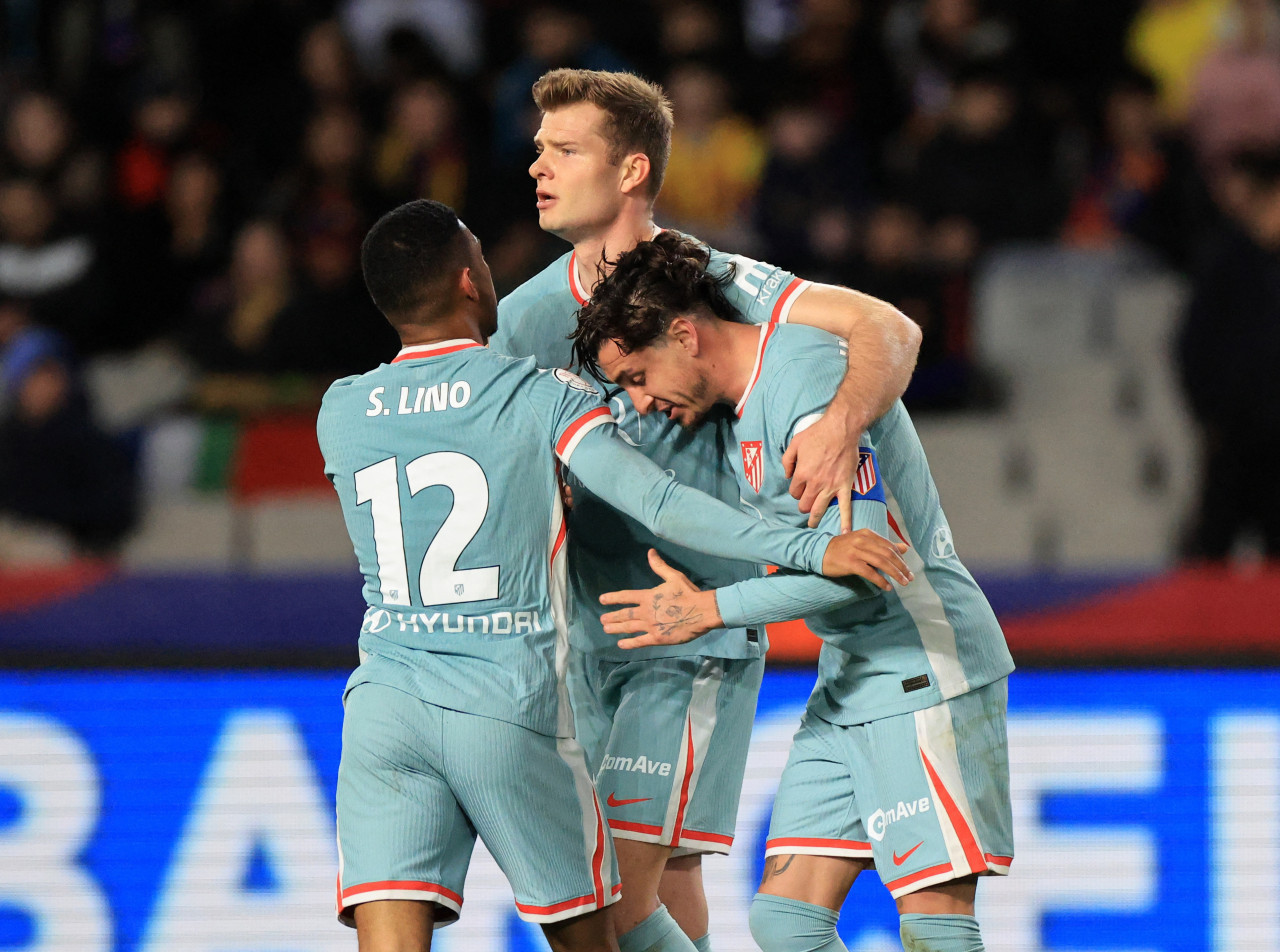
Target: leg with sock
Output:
[(921, 933), (658, 933), (703, 944), (779, 924)]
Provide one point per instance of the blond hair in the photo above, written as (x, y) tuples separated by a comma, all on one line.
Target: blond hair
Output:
[(639, 113)]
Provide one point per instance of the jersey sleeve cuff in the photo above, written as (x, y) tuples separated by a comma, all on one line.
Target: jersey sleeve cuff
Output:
[(729, 605), (782, 310), (575, 431)]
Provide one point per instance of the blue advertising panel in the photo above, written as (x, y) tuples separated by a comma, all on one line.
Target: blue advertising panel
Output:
[(146, 812)]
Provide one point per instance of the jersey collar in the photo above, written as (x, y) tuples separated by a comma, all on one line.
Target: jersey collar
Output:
[(575, 286), (439, 348), (766, 331)]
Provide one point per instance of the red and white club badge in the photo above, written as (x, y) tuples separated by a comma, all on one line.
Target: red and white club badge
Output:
[(753, 462), (865, 480)]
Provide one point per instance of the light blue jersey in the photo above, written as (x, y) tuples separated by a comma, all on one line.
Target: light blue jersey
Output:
[(883, 653), (445, 464), (607, 551)]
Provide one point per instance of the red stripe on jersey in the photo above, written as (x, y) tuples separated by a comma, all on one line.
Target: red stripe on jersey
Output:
[(1005, 861), (576, 426), (684, 787), (783, 298), (707, 837), (429, 350), (766, 331), (579, 296), (916, 877), (784, 842), (402, 884), (557, 907), (893, 524), (972, 852)]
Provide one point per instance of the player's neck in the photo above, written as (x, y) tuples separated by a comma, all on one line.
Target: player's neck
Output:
[(454, 327), (733, 347), (618, 237)]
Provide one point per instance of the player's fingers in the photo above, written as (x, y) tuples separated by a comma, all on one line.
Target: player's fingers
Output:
[(865, 570), (798, 488), (819, 508), (665, 571), (641, 641), (789, 460), (845, 496), (624, 626), (631, 596)]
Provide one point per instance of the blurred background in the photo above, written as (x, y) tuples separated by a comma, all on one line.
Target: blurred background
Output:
[(1078, 200)]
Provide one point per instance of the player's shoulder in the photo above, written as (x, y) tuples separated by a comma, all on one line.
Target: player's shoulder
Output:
[(530, 296), (789, 343)]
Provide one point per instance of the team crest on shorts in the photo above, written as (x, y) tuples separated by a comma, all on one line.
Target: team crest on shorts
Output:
[(753, 462)]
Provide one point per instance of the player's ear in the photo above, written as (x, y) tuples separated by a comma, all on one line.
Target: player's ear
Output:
[(467, 285), (684, 333), (635, 173)]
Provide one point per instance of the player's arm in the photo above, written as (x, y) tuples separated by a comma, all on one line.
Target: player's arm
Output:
[(677, 611), (635, 485), (883, 345)]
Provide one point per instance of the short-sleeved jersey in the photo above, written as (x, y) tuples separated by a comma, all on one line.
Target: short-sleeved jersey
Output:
[(893, 652), (607, 550), (445, 465)]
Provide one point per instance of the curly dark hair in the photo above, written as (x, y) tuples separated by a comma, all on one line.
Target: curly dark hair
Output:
[(649, 285)]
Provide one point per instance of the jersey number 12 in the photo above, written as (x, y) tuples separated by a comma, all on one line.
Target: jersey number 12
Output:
[(440, 582)]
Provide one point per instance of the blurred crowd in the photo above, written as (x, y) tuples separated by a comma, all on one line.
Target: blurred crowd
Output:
[(198, 177)]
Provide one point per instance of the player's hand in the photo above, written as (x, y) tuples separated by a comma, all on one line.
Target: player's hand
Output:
[(671, 614), (869, 555), (821, 463)]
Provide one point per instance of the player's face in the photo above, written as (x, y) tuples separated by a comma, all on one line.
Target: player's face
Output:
[(662, 377), (577, 186)]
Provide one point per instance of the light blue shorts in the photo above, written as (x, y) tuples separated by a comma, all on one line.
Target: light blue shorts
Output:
[(668, 741), (924, 795), (417, 783)]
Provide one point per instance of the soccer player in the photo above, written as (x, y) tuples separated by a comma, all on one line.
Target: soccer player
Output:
[(457, 721), (602, 151), (901, 760)]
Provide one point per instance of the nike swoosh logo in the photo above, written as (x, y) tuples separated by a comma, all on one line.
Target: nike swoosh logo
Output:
[(899, 860), (615, 802)]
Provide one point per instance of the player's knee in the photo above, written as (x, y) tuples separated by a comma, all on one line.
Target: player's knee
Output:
[(779, 924), (921, 933)]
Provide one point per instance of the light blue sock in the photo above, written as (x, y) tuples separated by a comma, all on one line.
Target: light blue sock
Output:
[(779, 924), (703, 944), (658, 933), (940, 933)]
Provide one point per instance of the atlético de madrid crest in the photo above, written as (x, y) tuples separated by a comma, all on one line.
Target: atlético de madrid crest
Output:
[(753, 462)]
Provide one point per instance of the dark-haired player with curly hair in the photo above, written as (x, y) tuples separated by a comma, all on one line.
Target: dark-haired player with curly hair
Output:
[(901, 760)]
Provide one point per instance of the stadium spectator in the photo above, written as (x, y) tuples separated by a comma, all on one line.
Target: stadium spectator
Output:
[(717, 159), (422, 155), (1229, 348), (57, 468), (49, 261), (1169, 39), (1143, 184), (986, 177), (814, 168), (232, 316), (1235, 95), (931, 43)]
